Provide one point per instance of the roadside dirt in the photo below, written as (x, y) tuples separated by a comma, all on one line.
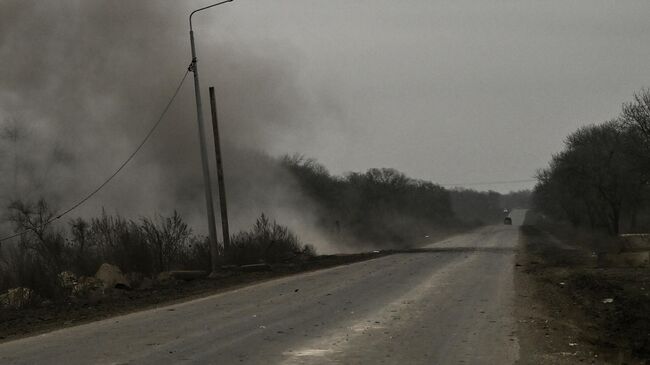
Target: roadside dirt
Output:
[(16, 323), (572, 311)]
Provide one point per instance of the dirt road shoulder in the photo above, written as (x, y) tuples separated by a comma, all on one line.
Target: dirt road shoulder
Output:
[(17, 323), (571, 311)]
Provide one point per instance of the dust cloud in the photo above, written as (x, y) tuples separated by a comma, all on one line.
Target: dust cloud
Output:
[(82, 82)]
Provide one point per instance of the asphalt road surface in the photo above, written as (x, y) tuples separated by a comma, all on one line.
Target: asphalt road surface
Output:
[(452, 304)]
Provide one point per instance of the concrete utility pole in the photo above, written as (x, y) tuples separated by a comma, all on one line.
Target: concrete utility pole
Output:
[(212, 231), (220, 179)]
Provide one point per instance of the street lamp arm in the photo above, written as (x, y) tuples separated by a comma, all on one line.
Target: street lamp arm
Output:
[(206, 7)]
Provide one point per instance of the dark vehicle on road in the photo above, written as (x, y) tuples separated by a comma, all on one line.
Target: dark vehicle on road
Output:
[(507, 220)]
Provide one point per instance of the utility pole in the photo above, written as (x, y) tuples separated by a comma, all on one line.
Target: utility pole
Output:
[(212, 231), (220, 179)]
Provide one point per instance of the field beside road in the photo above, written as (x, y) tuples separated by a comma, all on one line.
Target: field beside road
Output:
[(575, 308)]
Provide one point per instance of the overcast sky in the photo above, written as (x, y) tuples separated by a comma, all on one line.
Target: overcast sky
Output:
[(448, 91), (452, 91)]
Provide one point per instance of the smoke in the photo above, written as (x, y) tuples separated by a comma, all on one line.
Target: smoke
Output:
[(81, 82)]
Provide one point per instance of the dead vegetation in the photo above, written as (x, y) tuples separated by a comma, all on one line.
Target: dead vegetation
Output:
[(141, 248), (16, 323)]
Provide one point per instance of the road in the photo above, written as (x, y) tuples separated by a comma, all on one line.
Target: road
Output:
[(452, 304)]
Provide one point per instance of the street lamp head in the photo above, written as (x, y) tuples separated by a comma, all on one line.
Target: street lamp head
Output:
[(206, 7)]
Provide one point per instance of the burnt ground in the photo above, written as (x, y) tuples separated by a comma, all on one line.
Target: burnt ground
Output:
[(17, 323), (564, 313)]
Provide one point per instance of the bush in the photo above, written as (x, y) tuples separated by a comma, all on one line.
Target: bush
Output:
[(20, 267), (147, 246), (40, 253), (266, 242), (168, 239), (121, 242)]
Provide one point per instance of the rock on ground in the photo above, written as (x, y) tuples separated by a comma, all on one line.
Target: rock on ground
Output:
[(112, 277)]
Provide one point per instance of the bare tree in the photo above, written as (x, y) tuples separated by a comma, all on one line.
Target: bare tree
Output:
[(637, 113)]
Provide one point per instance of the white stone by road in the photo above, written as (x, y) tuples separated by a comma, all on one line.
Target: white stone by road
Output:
[(451, 305)]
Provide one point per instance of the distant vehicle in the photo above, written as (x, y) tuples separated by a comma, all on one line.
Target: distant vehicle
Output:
[(507, 220), (506, 211)]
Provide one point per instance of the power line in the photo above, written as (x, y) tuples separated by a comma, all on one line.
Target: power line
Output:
[(117, 171)]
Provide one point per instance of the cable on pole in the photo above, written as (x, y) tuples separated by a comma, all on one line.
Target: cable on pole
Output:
[(116, 172)]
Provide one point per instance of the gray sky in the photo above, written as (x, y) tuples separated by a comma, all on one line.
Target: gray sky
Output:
[(448, 91), (452, 91)]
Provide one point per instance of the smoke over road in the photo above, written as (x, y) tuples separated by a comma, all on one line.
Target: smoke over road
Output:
[(81, 82)]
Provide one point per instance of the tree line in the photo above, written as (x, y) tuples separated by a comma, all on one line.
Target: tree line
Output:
[(600, 180), (383, 207)]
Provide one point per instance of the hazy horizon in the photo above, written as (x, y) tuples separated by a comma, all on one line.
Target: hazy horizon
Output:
[(452, 92)]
